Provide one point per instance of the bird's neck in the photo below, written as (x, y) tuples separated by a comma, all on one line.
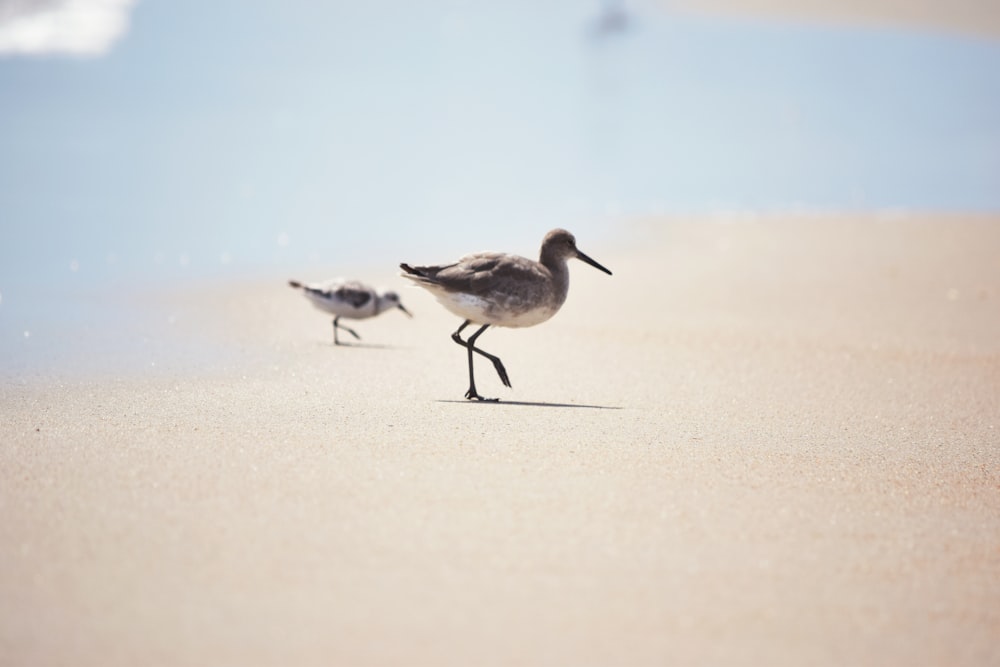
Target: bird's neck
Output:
[(560, 277)]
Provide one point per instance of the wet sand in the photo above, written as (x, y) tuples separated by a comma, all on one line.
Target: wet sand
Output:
[(762, 441)]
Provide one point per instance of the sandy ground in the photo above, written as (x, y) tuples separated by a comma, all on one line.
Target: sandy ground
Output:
[(979, 18), (761, 442)]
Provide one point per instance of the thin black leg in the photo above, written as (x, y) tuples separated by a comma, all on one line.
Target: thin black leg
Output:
[(497, 364), (337, 325), (470, 346)]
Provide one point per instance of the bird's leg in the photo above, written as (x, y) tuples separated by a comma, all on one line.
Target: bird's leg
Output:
[(337, 325), (470, 346), (472, 393), (497, 364)]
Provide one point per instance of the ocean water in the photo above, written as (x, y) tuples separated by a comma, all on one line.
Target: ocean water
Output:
[(262, 138)]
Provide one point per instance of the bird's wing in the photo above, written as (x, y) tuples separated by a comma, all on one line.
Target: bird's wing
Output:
[(490, 274), (354, 293)]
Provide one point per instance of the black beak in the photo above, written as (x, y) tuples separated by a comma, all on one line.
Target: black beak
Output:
[(408, 313), (580, 255)]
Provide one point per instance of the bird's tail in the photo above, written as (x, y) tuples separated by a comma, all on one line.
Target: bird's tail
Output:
[(417, 274), (295, 283)]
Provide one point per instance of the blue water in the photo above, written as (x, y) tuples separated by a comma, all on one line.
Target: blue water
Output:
[(251, 138)]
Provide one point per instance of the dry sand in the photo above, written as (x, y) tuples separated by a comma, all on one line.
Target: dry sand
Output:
[(762, 442), (979, 18)]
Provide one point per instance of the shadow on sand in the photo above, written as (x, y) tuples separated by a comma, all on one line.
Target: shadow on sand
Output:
[(533, 405), (365, 346)]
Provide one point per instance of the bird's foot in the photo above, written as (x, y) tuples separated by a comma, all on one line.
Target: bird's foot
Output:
[(473, 395), (336, 340)]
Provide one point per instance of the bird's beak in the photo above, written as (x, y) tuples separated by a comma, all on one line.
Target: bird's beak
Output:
[(580, 255), (408, 313)]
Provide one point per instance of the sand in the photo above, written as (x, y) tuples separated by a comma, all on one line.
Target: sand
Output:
[(976, 18), (762, 441)]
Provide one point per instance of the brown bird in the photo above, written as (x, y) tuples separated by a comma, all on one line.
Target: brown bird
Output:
[(498, 289)]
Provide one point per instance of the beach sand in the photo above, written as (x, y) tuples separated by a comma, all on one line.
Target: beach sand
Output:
[(763, 441), (978, 18)]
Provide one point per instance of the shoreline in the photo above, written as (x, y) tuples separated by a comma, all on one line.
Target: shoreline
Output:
[(968, 18)]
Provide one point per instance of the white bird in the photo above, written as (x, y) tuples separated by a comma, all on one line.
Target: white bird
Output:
[(351, 299), (494, 288)]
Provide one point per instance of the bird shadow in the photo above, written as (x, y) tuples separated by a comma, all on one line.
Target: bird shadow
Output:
[(532, 404), (360, 346)]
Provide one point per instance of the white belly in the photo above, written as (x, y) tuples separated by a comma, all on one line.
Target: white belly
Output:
[(481, 311)]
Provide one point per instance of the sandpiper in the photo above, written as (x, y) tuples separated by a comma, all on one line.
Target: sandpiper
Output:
[(497, 289), (348, 298)]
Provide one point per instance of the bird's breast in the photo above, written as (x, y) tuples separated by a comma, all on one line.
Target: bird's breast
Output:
[(498, 312)]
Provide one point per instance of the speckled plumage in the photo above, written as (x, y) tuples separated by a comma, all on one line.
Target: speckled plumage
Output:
[(351, 299)]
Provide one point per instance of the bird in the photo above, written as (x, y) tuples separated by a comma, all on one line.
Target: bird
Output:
[(351, 299), (503, 290)]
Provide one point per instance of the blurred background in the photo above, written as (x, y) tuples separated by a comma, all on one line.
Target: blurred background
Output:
[(145, 143)]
